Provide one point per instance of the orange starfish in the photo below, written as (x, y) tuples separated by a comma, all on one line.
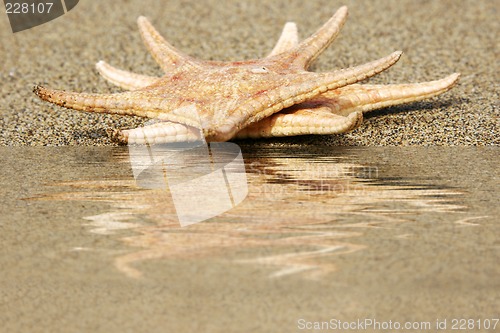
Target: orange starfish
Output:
[(272, 96)]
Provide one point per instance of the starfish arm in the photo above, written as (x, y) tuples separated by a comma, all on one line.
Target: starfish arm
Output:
[(332, 112), (289, 39), (302, 122), (338, 111), (304, 87), (132, 81), (366, 97), (164, 54), (124, 79), (131, 103), (162, 132), (309, 49)]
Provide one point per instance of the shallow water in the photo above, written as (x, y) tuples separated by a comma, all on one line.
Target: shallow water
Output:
[(324, 234)]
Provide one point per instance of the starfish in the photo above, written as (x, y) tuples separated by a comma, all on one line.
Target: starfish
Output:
[(272, 96)]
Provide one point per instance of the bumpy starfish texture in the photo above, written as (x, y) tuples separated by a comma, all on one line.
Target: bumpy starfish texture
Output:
[(272, 96)]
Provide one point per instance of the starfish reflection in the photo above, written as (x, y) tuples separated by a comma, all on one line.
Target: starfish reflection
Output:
[(299, 214)]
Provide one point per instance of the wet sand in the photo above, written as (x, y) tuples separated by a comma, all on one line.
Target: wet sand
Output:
[(438, 38)]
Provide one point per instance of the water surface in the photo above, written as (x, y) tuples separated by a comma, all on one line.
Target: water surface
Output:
[(401, 234)]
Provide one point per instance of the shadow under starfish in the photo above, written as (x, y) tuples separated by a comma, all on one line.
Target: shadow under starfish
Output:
[(269, 97)]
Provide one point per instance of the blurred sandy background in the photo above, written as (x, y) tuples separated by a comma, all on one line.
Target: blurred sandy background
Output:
[(438, 38)]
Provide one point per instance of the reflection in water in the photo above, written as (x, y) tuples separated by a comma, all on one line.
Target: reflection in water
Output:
[(299, 213)]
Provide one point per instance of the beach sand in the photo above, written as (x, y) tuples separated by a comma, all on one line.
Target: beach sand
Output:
[(438, 38)]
